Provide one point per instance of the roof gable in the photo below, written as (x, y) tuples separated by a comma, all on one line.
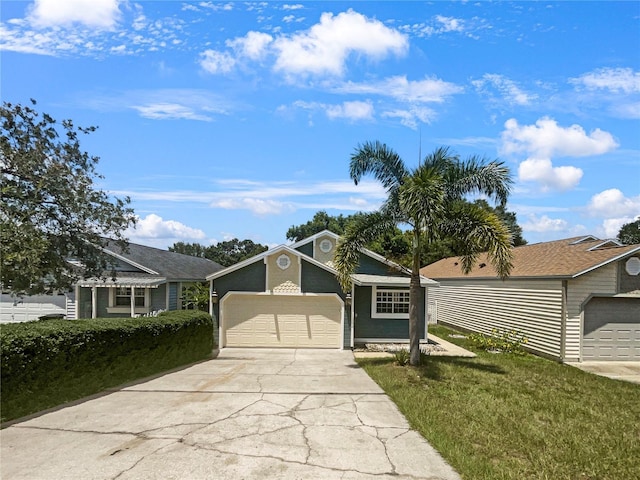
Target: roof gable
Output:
[(369, 266), (389, 266), (567, 258), (262, 256)]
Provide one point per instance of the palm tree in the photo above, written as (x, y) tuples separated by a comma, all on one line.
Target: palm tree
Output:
[(430, 199)]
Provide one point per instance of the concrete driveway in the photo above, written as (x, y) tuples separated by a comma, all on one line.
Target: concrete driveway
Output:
[(250, 413), (627, 371)]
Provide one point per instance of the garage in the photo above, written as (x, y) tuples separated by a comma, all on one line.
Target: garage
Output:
[(281, 321), (611, 329), (31, 307)]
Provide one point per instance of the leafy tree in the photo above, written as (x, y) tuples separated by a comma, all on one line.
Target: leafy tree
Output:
[(233, 251), (508, 218), (429, 198), (321, 221), (225, 253), (192, 249), (195, 296), (629, 233), (51, 210)]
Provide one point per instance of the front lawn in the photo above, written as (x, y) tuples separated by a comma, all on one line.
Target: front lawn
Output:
[(503, 416)]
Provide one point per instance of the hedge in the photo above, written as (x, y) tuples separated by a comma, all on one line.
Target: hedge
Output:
[(47, 363)]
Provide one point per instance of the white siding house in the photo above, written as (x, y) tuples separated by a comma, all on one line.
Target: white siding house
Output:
[(552, 287)]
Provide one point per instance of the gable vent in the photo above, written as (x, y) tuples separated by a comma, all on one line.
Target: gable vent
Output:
[(606, 244), (588, 238)]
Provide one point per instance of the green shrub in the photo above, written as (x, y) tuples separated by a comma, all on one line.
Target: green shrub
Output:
[(402, 356), (508, 341), (47, 363)]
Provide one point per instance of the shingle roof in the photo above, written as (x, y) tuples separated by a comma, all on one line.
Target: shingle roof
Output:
[(567, 258), (172, 265)]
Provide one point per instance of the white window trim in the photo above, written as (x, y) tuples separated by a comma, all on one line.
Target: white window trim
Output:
[(374, 306), (113, 308)]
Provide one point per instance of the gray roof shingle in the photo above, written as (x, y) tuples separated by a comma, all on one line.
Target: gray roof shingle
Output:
[(174, 266)]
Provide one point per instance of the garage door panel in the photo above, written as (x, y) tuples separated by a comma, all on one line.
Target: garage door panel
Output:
[(282, 321), (611, 329)]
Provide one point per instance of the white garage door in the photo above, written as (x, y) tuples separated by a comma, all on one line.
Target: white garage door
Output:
[(30, 307), (294, 321), (611, 329)]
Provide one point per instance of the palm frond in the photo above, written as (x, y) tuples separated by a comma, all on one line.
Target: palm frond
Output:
[(476, 175), (358, 234), (421, 197), (478, 230), (379, 160), (441, 159)]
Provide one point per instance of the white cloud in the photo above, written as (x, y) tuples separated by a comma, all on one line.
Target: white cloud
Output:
[(217, 6), (169, 111), (546, 139), (292, 7), (351, 110), (256, 205), (355, 110), (437, 26), (544, 224), (154, 227), (611, 226), (410, 117), (450, 24), (627, 110), (615, 80), (613, 203), (214, 62), (325, 47), (101, 14), (507, 88), (541, 170), (161, 104), (400, 88), (253, 45), (271, 198)]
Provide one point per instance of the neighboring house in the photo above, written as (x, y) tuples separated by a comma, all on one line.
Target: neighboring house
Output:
[(289, 297), (31, 307), (574, 299), (147, 280)]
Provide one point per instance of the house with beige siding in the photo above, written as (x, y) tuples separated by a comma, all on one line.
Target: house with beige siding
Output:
[(289, 296), (575, 299)]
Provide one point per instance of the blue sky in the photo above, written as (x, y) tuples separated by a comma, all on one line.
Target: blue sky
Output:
[(237, 119)]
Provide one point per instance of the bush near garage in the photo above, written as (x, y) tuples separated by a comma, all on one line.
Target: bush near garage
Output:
[(47, 363)]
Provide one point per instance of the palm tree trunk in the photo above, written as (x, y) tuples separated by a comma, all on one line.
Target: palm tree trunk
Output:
[(414, 301)]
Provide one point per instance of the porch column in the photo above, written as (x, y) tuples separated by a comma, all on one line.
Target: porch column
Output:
[(77, 306), (133, 302), (94, 302)]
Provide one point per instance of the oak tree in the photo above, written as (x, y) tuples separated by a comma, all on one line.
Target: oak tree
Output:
[(54, 221)]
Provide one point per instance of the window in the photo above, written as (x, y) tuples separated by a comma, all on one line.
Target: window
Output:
[(390, 303), (123, 297)]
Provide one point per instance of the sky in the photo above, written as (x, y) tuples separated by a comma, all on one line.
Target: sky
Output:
[(226, 120)]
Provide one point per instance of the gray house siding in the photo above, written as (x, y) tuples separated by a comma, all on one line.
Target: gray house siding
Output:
[(367, 327), (627, 283), (317, 280), (158, 298), (306, 249), (372, 266), (173, 296)]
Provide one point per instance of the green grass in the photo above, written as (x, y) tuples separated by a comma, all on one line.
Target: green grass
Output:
[(504, 416)]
